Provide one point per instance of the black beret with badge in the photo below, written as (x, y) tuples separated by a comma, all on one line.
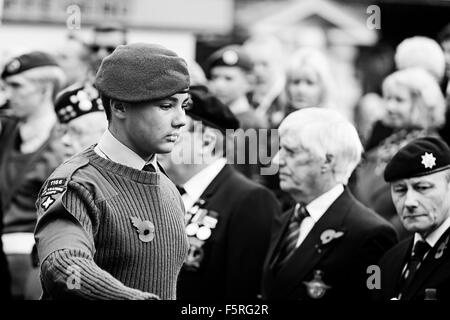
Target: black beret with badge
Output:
[(142, 72), (229, 56), (28, 61), (76, 101), (207, 108), (420, 157)]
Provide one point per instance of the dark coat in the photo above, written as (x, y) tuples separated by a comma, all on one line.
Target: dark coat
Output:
[(234, 254), (432, 274), (343, 261)]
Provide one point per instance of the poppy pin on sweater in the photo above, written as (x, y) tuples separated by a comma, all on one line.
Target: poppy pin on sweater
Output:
[(145, 229)]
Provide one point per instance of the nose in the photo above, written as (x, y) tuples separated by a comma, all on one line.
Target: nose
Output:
[(179, 118), (276, 159), (410, 201)]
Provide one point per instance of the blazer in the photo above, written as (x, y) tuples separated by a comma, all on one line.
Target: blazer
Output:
[(432, 274), (341, 263), (234, 254)]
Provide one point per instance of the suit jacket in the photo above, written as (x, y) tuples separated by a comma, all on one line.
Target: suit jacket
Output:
[(343, 261), (234, 254), (432, 274)]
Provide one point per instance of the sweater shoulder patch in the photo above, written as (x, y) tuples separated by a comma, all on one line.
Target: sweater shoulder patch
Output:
[(56, 185)]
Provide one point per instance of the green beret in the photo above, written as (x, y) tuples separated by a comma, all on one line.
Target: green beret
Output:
[(207, 108), (230, 56), (28, 61), (76, 101), (141, 72), (420, 157)]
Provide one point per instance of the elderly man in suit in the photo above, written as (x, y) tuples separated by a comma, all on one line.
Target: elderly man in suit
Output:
[(324, 245), (417, 268), (228, 217)]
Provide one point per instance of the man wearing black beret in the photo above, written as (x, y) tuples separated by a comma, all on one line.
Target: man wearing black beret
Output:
[(418, 267), (30, 149), (228, 217), (110, 222)]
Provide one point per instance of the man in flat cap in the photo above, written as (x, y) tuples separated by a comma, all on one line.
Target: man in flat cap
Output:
[(80, 111), (418, 267), (325, 243), (30, 149), (228, 217), (110, 222)]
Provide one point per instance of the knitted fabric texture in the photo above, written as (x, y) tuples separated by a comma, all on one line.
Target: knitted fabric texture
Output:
[(103, 196)]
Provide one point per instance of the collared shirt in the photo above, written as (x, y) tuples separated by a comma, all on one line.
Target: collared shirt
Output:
[(196, 185), (36, 131), (434, 236), (240, 105), (316, 210), (110, 148)]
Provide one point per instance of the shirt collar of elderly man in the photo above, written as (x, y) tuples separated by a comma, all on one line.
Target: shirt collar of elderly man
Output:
[(319, 149), (419, 175)]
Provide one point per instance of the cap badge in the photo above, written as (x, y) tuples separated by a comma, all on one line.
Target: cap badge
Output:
[(230, 57), (316, 288), (145, 229), (428, 160), (13, 66)]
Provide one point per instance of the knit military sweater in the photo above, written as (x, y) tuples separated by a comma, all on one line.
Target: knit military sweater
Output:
[(108, 231)]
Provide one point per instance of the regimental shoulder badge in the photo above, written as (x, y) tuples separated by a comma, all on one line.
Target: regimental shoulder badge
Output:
[(200, 224), (52, 189), (316, 288), (145, 229)]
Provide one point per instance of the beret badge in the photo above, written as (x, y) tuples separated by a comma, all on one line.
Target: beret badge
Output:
[(13, 66), (428, 160), (230, 57)]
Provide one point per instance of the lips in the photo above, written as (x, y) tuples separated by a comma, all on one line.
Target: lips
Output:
[(173, 137)]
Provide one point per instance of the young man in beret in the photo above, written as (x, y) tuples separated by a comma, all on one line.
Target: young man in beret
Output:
[(30, 149), (228, 216), (111, 224), (418, 267), (80, 110)]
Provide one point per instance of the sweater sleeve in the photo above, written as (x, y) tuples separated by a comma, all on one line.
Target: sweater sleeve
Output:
[(65, 240)]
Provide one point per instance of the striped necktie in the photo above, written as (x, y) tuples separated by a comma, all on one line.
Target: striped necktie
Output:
[(292, 234), (420, 249)]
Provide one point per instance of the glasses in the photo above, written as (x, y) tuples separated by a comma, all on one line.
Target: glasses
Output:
[(96, 48)]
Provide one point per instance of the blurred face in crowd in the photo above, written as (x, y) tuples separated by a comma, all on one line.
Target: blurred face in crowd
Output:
[(304, 88), (25, 96), (422, 203), (154, 126), (105, 42), (398, 103), (228, 83), (72, 59), (300, 170), (84, 131), (265, 69)]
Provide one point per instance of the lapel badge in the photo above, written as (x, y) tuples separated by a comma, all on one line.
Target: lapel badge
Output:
[(316, 288), (441, 249), (145, 229), (195, 254), (327, 236), (13, 66)]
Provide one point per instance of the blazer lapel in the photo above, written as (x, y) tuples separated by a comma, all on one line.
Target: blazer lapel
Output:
[(311, 251), (273, 250), (437, 255), (217, 182)]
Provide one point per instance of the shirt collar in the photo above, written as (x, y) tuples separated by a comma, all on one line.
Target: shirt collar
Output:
[(111, 148), (320, 205), (36, 131), (434, 236), (196, 185), (240, 105)]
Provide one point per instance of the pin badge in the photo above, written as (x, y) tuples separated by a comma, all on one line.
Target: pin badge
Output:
[(316, 288), (145, 229), (441, 249)]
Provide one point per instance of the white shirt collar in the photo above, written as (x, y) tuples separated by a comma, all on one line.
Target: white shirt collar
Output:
[(240, 105), (433, 237), (320, 205), (111, 148), (196, 185), (36, 131)]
